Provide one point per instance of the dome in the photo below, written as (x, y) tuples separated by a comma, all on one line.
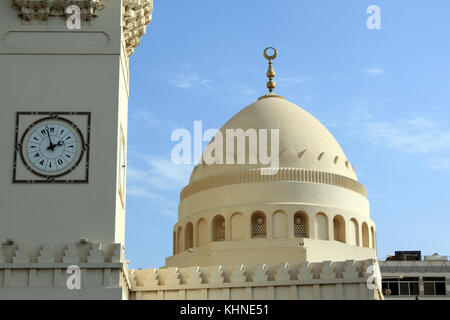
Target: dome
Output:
[(309, 207), (237, 214), (303, 141)]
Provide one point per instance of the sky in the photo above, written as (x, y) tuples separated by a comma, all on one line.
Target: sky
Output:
[(383, 93)]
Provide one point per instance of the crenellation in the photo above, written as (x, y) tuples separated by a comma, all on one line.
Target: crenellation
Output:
[(194, 276), (71, 254), (260, 273), (327, 271), (22, 254), (96, 253), (151, 278), (47, 254), (172, 276), (258, 280), (239, 274), (350, 269), (217, 275), (283, 272), (117, 253), (305, 272), (363, 265)]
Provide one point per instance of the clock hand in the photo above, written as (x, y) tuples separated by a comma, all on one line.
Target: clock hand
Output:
[(59, 144), (51, 146)]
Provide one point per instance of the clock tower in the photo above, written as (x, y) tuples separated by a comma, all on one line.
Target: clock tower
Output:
[(64, 88)]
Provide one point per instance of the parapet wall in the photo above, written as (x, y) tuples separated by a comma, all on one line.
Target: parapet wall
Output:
[(340, 280), (28, 272)]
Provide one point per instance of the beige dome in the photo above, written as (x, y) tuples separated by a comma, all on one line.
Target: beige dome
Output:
[(304, 142), (237, 214)]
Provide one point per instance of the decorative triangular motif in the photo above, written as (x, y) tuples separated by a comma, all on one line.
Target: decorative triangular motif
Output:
[(301, 153), (195, 276), (350, 269), (216, 275), (132, 275), (363, 265), (117, 253), (260, 273), (239, 273), (173, 276), (283, 272), (71, 254), (152, 278), (22, 254), (96, 253), (47, 254), (327, 271), (305, 272), (287, 155)]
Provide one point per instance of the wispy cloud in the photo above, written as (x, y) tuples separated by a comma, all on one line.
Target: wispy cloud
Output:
[(415, 136), (292, 80), (135, 190), (159, 173), (186, 78), (156, 181), (147, 119), (438, 163), (340, 77), (250, 92), (375, 71)]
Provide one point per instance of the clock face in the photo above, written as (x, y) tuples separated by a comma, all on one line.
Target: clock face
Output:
[(52, 147)]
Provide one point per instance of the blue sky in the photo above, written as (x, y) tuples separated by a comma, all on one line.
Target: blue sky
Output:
[(384, 94)]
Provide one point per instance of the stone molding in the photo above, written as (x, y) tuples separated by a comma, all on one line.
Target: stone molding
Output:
[(415, 266), (24, 268), (283, 174), (42, 10), (137, 15), (242, 275), (320, 280), (72, 253)]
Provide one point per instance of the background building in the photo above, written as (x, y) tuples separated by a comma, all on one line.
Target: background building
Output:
[(407, 276)]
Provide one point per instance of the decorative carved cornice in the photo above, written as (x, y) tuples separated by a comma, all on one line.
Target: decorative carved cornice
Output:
[(42, 10), (306, 273), (72, 253), (283, 174), (137, 15)]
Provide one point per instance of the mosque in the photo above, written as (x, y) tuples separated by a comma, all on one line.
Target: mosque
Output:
[(300, 230)]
